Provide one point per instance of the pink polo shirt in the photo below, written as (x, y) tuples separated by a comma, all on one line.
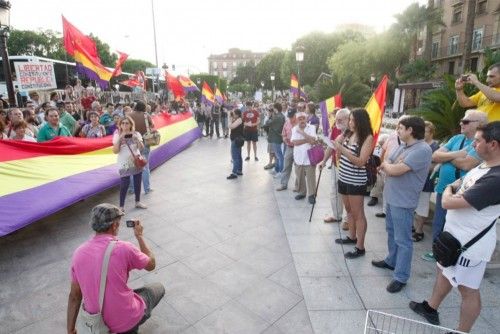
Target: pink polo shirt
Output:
[(123, 308)]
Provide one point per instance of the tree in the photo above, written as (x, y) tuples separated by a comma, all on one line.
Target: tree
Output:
[(245, 74), (43, 44), (134, 65), (271, 63)]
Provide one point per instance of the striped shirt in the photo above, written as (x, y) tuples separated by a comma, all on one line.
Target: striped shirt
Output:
[(348, 172)]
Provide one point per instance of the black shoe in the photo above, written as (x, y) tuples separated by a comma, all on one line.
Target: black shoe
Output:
[(299, 197), (312, 199), (382, 264), (256, 159), (247, 158), (354, 253), (395, 286), (423, 309), (373, 201), (380, 215), (345, 241), (239, 173), (232, 176)]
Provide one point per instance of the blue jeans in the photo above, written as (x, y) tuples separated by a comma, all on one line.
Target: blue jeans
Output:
[(398, 223), (439, 217), (280, 160), (145, 172), (236, 157)]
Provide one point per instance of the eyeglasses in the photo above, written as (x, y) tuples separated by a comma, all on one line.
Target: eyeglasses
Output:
[(467, 121)]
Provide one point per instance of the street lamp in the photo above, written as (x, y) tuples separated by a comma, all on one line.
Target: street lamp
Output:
[(262, 85), (272, 81), (299, 57), (4, 35), (372, 80), (165, 68)]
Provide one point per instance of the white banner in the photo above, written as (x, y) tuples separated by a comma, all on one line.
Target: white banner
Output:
[(35, 75)]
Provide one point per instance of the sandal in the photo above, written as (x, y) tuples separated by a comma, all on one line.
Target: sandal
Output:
[(417, 236)]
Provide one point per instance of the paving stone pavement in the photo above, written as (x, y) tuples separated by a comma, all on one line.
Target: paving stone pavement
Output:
[(234, 256)]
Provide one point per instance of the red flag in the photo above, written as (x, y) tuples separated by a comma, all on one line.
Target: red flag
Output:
[(119, 63), (375, 107), (174, 85), (75, 39)]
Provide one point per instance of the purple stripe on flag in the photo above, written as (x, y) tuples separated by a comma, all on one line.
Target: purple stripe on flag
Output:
[(324, 118), (25, 207), (91, 75), (191, 89)]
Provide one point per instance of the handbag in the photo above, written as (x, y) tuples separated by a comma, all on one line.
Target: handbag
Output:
[(315, 154), (447, 249), (139, 160), (151, 138), (87, 323)]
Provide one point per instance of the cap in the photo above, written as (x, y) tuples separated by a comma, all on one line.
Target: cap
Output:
[(102, 216), (291, 113)]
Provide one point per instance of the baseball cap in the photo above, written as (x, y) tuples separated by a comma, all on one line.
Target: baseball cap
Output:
[(102, 216)]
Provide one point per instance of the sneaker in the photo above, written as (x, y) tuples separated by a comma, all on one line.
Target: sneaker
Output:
[(150, 190), (423, 309), (373, 201), (395, 286), (269, 166), (256, 159), (345, 241), (239, 173), (354, 253), (247, 158), (139, 205), (232, 176), (429, 257), (281, 188), (312, 199), (382, 264), (299, 197), (380, 215)]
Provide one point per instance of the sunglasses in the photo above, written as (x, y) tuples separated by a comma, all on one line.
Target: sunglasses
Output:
[(466, 121)]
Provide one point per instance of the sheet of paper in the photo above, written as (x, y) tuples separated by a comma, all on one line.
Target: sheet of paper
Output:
[(327, 141)]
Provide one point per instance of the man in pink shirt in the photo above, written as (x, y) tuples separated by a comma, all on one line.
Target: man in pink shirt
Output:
[(124, 309)]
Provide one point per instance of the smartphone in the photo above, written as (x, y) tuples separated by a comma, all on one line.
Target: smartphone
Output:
[(465, 77), (129, 135), (130, 223)]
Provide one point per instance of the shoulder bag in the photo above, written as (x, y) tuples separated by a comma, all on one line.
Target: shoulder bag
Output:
[(139, 160), (87, 323), (447, 249), (151, 138), (316, 154)]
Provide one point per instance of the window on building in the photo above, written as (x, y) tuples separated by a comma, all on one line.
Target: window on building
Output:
[(224, 65), (451, 68), (473, 64), (435, 50), (214, 65), (477, 39), (453, 45), (481, 7), (457, 14)]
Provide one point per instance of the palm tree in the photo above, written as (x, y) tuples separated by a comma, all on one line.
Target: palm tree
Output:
[(469, 32)]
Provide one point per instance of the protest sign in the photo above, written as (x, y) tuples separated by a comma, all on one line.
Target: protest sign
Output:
[(35, 75)]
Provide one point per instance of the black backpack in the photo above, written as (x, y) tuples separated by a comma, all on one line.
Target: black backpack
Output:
[(371, 169)]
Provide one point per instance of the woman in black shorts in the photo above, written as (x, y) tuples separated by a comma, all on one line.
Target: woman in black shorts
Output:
[(354, 149)]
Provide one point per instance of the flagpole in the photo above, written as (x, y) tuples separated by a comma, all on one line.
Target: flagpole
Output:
[(154, 35)]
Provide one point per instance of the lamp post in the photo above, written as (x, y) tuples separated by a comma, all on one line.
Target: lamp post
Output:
[(299, 57), (262, 89), (372, 80), (272, 82), (4, 35), (165, 68)]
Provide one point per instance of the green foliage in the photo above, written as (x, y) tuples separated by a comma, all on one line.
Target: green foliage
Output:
[(356, 95), (134, 65), (246, 74), (417, 70), (42, 44), (271, 63)]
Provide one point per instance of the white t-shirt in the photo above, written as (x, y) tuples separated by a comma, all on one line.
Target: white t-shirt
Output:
[(300, 156), (480, 188), (125, 161)]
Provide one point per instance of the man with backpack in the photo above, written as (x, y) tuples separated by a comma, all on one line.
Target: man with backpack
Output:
[(406, 171)]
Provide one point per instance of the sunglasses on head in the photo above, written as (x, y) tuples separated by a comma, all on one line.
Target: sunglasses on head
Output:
[(466, 121)]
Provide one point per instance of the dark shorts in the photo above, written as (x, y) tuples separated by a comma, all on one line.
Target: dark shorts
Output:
[(251, 136), (349, 189)]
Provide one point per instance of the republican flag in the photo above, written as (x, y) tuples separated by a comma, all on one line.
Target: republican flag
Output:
[(207, 96), (187, 84), (327, 108), (218, 96), (174, 85), (84, 50), (294, 87), (376, 106)]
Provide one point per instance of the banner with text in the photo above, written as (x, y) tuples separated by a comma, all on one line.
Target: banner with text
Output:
[(35, 75)]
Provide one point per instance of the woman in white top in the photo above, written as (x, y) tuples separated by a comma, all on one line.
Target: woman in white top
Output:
[(125, 141), (19, 129)]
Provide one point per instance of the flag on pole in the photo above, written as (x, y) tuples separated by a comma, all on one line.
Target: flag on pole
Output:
[(294, 87), (327, 108), (218, 96), (84, 50), (187, 84), (376, 106), (137, 80), (121, 59), (174, 85), (207, 96)]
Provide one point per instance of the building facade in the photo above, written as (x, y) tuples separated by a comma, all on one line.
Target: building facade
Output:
[(448, 42), (225, 65)]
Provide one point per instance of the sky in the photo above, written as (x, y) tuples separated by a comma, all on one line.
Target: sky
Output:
[(188, 31)]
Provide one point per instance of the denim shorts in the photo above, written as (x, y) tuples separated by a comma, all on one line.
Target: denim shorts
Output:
[(251, 136), (350, 189)]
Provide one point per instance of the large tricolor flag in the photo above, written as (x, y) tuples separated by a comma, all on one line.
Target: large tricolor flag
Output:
[(174, 85), (188, 84), (38, 179), (83, 49), (218, 96), (327, 108), (376, 106), (207, 96)]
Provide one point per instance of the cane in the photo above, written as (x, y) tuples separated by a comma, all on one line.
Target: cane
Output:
[(315, 193)]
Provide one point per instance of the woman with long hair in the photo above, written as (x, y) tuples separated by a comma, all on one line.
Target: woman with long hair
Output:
[(127, 143), (93, 129), (237, 141), (354, 148)]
